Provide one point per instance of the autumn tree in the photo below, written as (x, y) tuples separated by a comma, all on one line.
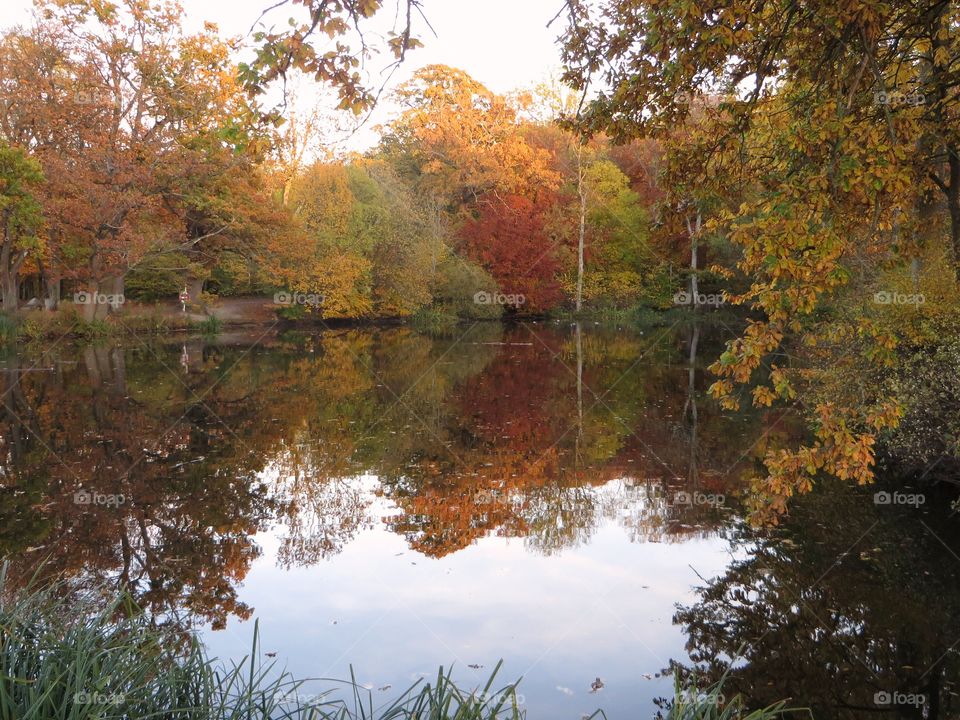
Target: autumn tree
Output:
[(510, 239), (141, 130), (322, 261), (371, 247), (407, 238), (214, 181), (837, 127), (618, 258), (457, 140), (124, 71), (21, 219), (599, 221), (225, 211)]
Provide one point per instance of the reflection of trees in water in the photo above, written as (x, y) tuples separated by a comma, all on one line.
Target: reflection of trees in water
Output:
[(322, 513), (499, 432), (537, 433), (176, 523), (847, 601)]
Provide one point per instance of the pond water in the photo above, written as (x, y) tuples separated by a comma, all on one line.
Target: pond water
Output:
[(564, 498)]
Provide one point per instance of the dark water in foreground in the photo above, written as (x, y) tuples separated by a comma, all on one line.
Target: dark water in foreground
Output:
[(563, 499)]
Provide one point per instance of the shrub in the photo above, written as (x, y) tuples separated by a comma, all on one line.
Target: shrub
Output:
[(211, 325), (458, 282)]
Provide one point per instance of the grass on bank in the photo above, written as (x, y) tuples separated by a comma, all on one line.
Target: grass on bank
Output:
[(208, 327), (37, 326), (69, 654)]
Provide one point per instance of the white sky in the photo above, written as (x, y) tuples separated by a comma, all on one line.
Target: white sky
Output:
[(504, 44)]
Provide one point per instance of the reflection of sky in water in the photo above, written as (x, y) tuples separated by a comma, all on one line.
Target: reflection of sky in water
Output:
[(602, 608)]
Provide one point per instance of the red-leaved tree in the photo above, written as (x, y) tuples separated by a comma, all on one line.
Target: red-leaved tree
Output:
[(509, 237)]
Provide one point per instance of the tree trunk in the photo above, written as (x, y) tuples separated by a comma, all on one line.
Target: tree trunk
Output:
[(119, 285), (90, 310), (50, 283), (11, 290), (9, 284), (105, 297), (52, 301), (953, 203), (693, 230)]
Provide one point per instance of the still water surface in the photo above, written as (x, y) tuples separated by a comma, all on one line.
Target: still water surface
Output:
[(561, 497)]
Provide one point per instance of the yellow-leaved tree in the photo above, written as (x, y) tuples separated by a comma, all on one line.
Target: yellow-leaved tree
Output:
[(826, 146)]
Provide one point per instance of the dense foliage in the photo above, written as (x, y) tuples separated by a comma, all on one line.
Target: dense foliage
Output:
[(821, 140), (136, 163), (799, 160)]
